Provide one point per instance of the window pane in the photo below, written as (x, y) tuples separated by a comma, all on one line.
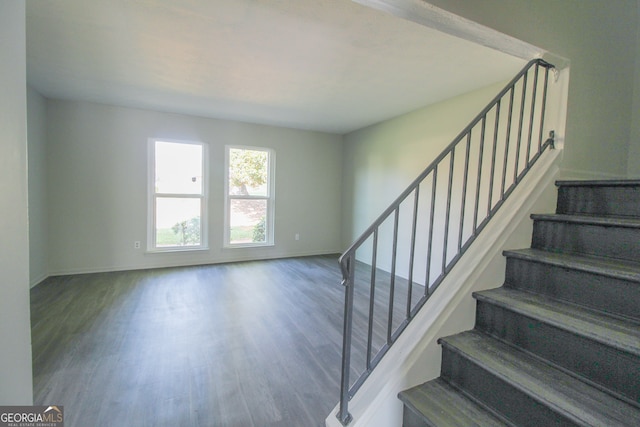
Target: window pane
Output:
[(178, 168), (177, 222), (248, 221), (248, 172)]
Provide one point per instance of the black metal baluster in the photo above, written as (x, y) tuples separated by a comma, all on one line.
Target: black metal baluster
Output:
[(507, 143), (372, 296), (348, 267), (493, 157), (544, 107), (464, 190), (412, 253), (448, 211), (480, 158), (392, 284), (430, 243), (532, 114), (520, 124)]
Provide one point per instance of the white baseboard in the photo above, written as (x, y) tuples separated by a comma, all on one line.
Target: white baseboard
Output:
[(35, 281), (584, 175), (185, 263)]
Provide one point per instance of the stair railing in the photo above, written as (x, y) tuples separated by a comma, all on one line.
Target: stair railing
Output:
[(401, 259)]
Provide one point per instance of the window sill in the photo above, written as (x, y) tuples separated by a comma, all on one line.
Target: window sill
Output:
[(249, 245), (177, 250)]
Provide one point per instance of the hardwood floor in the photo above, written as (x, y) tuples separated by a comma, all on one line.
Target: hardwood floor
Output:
[(246, 344), (242, 344)]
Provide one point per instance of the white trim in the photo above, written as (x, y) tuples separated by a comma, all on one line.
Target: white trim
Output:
[(35, 281), (428, 15), (575, 174), (151, 247), (170, 249), (238, 256), (270, 198)]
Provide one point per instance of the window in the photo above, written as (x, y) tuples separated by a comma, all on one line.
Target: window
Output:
[(177, 195), (249, 197)]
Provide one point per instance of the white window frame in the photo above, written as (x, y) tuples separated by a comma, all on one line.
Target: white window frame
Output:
[(153, 196), (270, 198)]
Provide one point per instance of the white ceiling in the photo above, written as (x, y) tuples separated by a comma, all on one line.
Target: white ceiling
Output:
[(328, 65)]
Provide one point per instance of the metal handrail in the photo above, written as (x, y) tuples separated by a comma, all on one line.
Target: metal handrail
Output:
[(519, 161)]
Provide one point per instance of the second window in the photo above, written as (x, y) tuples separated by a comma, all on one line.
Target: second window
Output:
[(249, 196)]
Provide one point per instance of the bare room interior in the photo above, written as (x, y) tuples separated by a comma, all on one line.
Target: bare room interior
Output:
[(291, 213)]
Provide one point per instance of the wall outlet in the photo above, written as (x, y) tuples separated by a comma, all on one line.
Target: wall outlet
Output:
[(136, 244), (297, 236)]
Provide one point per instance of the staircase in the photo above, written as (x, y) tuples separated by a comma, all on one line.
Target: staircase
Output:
[(559, 343)]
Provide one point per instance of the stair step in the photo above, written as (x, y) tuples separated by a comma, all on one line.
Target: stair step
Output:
[(599, 183), (599, 348), (605, 284), (523, 389), (608, 237), (632, 223), (438, 404), (559, 343), (608, 198)]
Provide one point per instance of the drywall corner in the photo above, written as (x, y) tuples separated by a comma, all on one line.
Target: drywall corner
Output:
[(16, 381)]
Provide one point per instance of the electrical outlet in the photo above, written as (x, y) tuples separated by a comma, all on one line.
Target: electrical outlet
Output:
[(297, 236), (136, 244)]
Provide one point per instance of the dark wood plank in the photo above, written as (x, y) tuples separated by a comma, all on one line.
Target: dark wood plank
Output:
[(242, 344), (247, 344)]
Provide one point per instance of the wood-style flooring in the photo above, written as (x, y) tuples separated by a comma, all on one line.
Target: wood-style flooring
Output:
[(243, 344)]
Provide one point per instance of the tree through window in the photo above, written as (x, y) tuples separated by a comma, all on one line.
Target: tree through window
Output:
[(249, 197)]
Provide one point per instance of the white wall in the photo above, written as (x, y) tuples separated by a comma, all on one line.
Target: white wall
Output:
[(599, 38), (15, 328), (97, 186), (37, 157), (380, 161)]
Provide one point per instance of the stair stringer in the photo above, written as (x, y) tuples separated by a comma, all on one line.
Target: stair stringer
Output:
[(416, 356)]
